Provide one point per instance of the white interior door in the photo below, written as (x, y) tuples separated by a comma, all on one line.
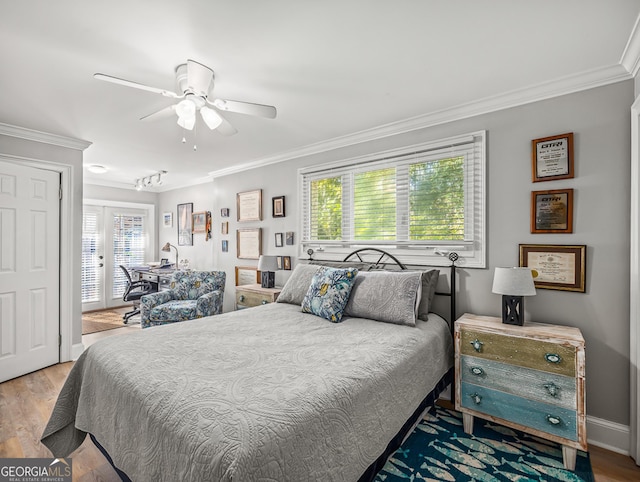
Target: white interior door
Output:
[(112, 236), (29, 269)]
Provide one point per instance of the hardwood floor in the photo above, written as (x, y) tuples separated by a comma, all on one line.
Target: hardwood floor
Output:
[(26, 403)]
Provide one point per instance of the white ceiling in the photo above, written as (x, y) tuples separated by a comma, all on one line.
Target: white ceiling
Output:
[(336, 70)]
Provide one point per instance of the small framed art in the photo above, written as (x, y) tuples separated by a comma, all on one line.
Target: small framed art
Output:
[(167, 220), (224, 212), (289, 238), (279, 242), (286, 262), (552, 211), (557, 267), (225, 227), (225, 246), (277, 206), (199, 222), (552, 158)]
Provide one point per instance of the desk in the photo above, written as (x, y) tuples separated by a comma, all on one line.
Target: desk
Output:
[(159, 278)]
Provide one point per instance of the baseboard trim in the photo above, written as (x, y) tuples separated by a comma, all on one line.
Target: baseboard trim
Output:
[(608, 435), (76, 350)]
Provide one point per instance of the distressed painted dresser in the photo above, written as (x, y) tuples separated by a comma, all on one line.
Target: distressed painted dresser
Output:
[(529, 377)]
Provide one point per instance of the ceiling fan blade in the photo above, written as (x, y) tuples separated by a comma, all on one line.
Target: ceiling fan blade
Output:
[(225, 128), (161, 114), (248, 108), (199, 77), (135, 85)]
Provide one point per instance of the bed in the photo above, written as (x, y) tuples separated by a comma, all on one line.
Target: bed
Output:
[(267, 393)]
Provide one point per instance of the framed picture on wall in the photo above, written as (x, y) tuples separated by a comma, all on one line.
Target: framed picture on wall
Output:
[(247, 275), (552, 158), (185, 220), (249, 243), (167, 219), (200, 222), (249, 205), (556, 267), (552, 211), (277, 206)]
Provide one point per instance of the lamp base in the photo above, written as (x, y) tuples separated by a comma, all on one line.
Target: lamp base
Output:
[(268, 279), (513, 310)]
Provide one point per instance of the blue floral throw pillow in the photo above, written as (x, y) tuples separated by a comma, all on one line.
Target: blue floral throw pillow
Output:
[(329, 292)]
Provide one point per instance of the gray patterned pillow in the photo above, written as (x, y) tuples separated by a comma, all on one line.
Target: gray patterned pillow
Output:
[(298, 284), (389, 296), (429, 283)]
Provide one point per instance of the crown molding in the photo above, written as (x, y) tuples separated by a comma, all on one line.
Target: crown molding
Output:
[(43, 137), (630, 59), (562, 86)]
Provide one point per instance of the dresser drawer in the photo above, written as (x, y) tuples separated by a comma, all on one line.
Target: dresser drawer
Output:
[(525, 352), (537, 385), (528, 413), (246, 299)]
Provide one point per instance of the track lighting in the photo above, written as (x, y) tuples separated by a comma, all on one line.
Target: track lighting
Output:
[(149, 181)]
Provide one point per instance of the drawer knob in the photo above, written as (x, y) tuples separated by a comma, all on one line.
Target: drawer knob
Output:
[(552, 389), (553, 420), (241, 297), (477, 371), (552, 357), (264, 302), (477, 345), (476, 398)]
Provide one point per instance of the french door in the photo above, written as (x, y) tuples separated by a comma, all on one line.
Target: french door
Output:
[(111, 236)]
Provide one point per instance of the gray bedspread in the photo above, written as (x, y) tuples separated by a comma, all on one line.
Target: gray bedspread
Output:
[(262, 394)]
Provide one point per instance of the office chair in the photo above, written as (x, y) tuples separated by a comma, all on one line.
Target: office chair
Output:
[(135, 290)]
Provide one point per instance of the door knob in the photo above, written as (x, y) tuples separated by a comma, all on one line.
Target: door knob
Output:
[(100, 265)]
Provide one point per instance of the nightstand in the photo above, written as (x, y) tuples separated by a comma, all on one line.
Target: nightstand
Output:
[(529, 377), (255, 295)]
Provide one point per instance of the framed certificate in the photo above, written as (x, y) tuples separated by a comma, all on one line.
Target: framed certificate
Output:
[(247, 275), (249, 205), (552, 211), (552, 158), (556, 267), (249, 243)]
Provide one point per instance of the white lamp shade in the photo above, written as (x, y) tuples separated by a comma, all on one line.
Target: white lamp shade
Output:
[(210, 117), (513, 281), (267, 263)]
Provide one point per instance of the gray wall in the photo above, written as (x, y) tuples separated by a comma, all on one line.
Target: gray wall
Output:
[(599, 119)]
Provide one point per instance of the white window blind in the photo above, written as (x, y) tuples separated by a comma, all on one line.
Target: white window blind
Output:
[(412, 202), (128, 247), (91, 249)]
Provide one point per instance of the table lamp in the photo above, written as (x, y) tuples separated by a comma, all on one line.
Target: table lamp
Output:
[(267, 265), (513, 284), (167, 248)]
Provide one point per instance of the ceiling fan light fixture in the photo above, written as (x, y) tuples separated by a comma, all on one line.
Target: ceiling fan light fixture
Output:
[(97, 169), (210, 117), (186, 108), (187, 122)]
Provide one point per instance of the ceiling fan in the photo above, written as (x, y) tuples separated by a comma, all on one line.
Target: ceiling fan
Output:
[(194, 83)]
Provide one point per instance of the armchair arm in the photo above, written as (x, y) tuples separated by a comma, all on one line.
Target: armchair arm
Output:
[(209, 304), (150, 301)]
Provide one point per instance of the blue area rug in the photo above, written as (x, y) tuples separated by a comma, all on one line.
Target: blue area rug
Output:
[(438, 449)]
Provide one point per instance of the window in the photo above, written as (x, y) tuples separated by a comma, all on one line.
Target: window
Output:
[(129, 239), (418, 202)]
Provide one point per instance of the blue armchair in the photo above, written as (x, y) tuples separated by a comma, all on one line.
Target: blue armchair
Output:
[(193, 294)]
